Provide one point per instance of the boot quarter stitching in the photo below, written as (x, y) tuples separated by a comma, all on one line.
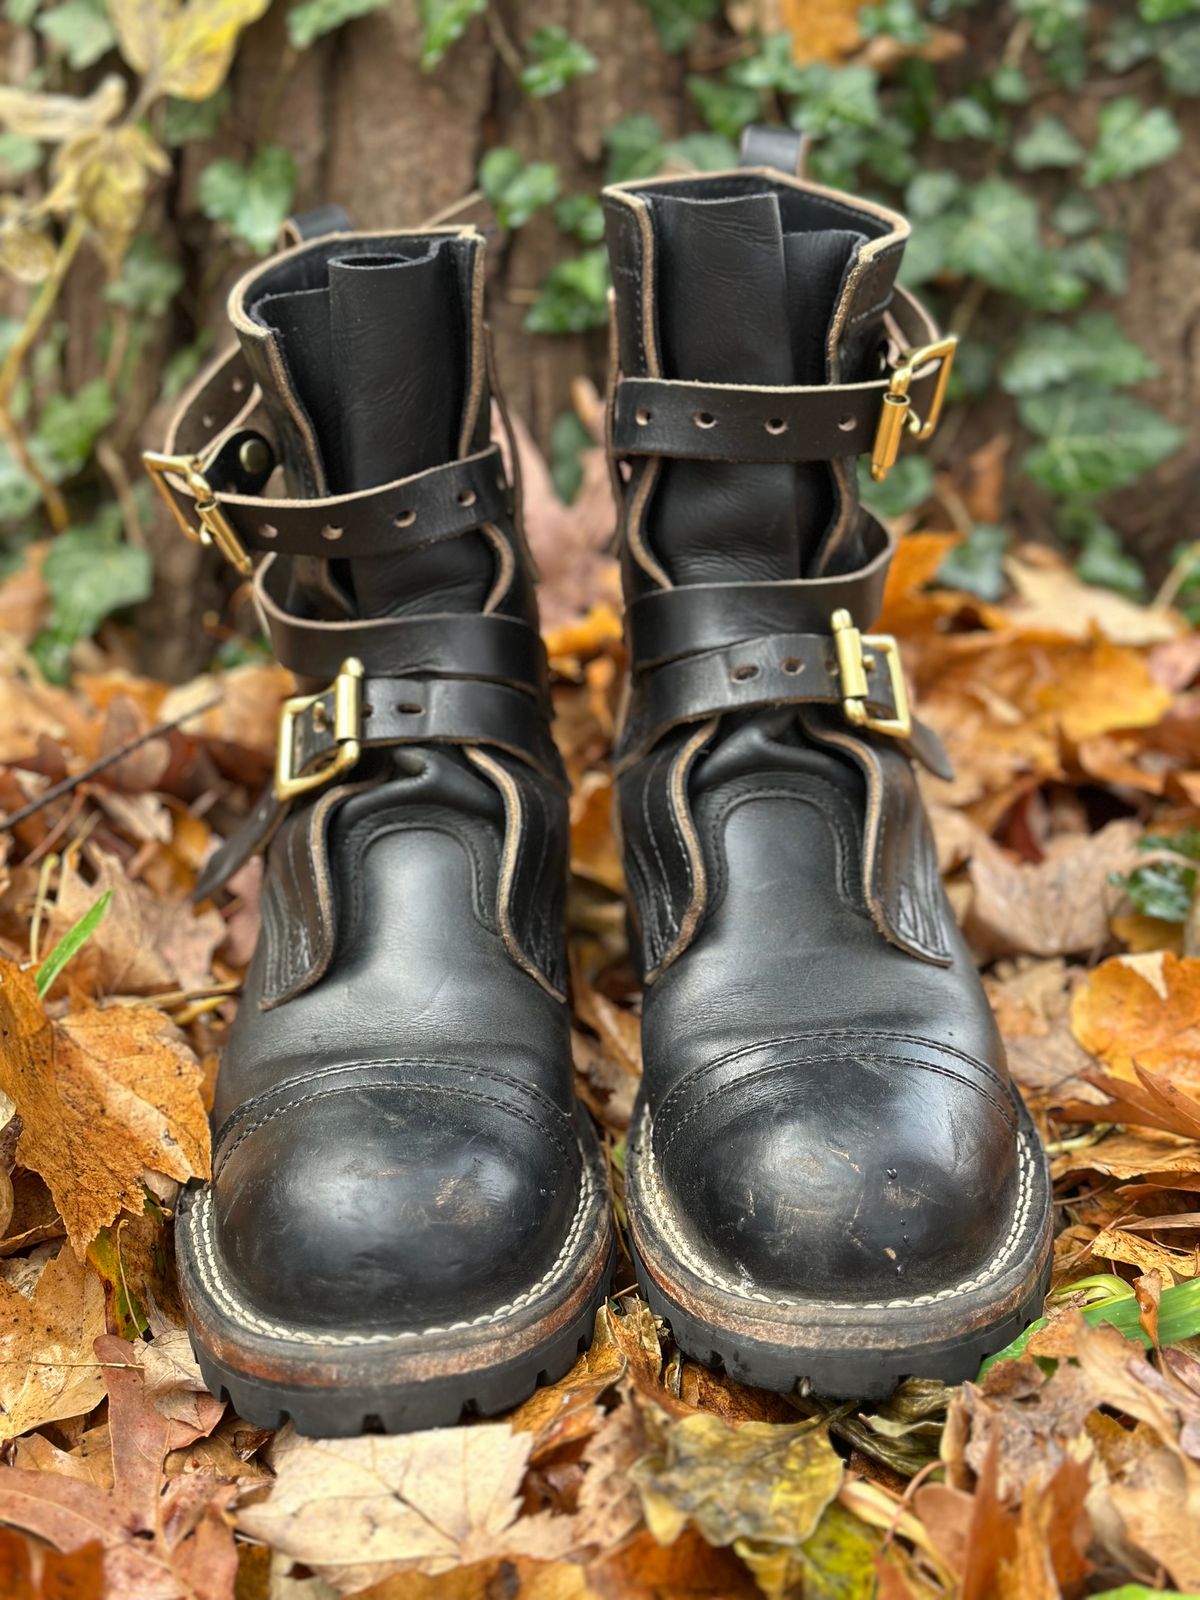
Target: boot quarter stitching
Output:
[(816, 1061), (841, 837), (354, 1088)]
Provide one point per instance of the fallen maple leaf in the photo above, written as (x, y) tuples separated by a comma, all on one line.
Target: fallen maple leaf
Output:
[(160, 1540), (146, 944), (103, 1095), (1143, 1011), (1060, 906), (46, 1336)]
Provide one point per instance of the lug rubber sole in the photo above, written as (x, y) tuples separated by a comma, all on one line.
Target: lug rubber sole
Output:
[(847, 1349), (337, 1386)]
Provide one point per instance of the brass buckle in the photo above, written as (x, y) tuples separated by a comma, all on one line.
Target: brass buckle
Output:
[(347, 733), (896, 416), (856, 654), (214, 527)]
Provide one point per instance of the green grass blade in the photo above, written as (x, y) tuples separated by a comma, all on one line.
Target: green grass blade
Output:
[(70, 943)]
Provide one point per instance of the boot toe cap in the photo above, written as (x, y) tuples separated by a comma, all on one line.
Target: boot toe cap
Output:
[(380, 1204), (868, 1178)]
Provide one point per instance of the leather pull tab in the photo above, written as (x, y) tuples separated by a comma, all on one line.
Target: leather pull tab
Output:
[(781, 148), (314, 224)]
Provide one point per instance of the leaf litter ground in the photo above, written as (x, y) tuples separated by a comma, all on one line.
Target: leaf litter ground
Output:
[(1068, 837)]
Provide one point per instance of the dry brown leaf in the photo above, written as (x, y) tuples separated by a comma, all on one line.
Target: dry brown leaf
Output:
[(246, 714), (567, 1410), (1032, 1005), (29, 1572), (48, 1370), (102, 1095), (1115, 1244), (160, 1542), (1058, 907), (25, 597), (1143, 1011), (1052, 599), (354, 1508), (145, 944)]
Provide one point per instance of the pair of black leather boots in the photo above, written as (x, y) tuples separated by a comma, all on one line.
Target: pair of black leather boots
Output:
[(831, 1180)]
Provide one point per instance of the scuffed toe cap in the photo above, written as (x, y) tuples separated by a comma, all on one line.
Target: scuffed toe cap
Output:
[(380, 1205), (861, 1177)]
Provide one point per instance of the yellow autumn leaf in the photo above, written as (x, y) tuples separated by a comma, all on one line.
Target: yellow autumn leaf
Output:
[(48, 1372), (822, 30), (50, 118), (182, 49), (104, 177), (103, 1096), (1143, 1011), (26, 253)]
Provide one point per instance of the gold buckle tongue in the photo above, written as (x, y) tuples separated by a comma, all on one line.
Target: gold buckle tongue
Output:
[(215, 527), (346, 689), (896, 415), (856, 654)]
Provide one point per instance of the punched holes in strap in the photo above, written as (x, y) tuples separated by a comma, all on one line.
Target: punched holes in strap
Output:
[(440, 503), (742, 422), (781, 670)]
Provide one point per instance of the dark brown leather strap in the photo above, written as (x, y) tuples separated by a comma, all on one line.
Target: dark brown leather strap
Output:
[(490, 646), (787, 669), (398, 711), (781, 148), (667, 623), (745, 422), (407, 513)]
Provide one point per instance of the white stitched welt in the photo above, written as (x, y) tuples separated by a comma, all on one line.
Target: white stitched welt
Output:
[(664, 1219), (200, 1226)]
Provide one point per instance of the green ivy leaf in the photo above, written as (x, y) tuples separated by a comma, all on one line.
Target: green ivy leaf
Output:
[(1161, 889), (967, 118), (1048, 143), (1093, 348), (1166, 10), (19, 494), (18, 155), (726, 107), (148, 281), (894, 19), (568, 439), (1130, 139), (1184, 843), (253, 200), (829, 98), (635, 148), (1103, 259), (1105, 562), (581, 216), (1093, 442), (443, 23), (190, 121), (574, 296), (91, 572), (1075, 213), (1178, 52), (907, 486), (312, 19), (1010, 85), (977, 564), (999, 241), (676, 21), (772, 68), (557, 61), (70, 425), (517, 189), (703, 152), (932, 193), (80, 29), (1054, 22)]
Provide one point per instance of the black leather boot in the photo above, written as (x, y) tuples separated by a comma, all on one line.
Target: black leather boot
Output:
[(831, 1178), (409, 1212)]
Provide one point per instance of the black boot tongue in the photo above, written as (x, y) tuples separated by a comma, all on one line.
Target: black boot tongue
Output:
[(742, 301)]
